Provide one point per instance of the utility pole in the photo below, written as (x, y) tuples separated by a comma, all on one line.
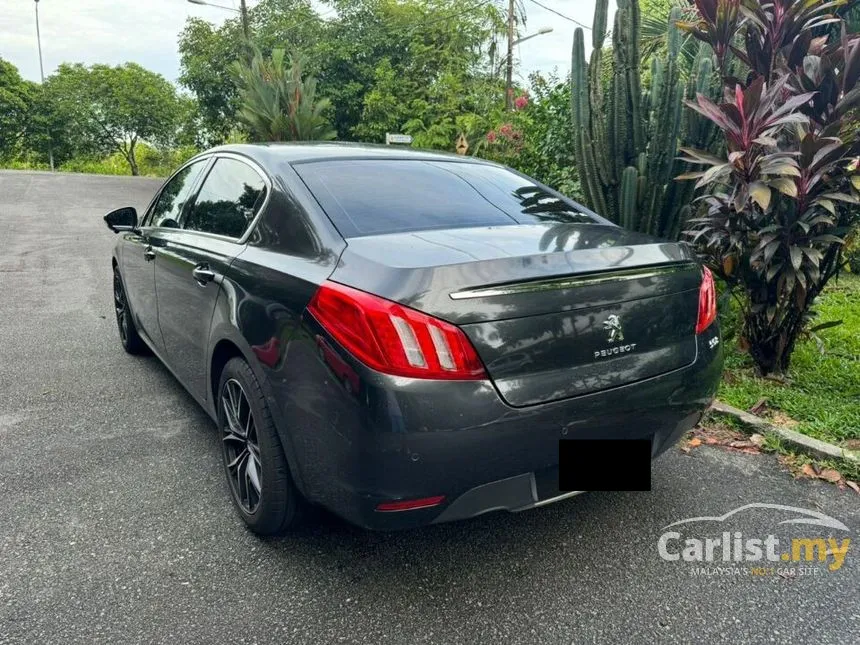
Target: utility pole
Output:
[(42, 76), (509, 72), (243, 16), (244, 10)]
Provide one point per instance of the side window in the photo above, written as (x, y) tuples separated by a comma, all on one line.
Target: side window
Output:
[(168, 208), (230, 197)]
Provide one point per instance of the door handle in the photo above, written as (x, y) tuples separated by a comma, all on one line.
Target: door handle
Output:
[(148, 254), (203, 274)]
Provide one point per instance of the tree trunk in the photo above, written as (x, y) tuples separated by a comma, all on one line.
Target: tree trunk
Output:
[(132, 161)]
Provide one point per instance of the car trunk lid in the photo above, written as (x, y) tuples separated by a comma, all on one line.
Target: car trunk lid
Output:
[(554, 311)]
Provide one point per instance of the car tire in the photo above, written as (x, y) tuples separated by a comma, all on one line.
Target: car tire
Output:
[(128, 336), (258, 475)]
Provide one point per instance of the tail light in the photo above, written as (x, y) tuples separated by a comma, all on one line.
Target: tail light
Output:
[(707, 301), (392, 338)]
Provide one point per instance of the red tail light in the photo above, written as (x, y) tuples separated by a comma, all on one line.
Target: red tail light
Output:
[(707, 301), (394, 339)]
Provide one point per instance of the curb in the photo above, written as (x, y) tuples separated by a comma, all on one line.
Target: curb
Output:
[(800, 441)]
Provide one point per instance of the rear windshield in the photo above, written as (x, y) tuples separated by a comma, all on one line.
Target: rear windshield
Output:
[(373, 197)]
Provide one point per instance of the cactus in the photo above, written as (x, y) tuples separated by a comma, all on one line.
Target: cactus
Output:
[(629, 194), (626, 140)]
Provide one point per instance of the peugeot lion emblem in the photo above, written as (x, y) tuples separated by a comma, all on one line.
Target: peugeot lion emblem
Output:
[(612, 324)]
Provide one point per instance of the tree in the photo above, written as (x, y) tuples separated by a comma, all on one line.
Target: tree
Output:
[(383, 64), (208, 53), (777, 206), (278, 103), (114, 108), (205, 58), (16, 96)]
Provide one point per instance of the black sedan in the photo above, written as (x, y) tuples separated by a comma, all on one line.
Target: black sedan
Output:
[(405, 337)]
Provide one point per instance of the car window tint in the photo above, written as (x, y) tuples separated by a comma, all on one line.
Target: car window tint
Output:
[(522, 199), (368, 197), (230, 197), (168, 208)]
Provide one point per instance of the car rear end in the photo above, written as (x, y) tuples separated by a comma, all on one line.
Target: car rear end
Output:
[(453, 351)]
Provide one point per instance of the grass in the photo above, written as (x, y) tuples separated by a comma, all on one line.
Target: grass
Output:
[(823, 395), (152, 162)]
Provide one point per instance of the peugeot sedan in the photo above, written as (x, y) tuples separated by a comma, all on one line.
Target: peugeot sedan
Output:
[(405, 337)]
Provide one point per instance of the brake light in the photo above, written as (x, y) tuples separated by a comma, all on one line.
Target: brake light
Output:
[(392, 338), (707, 301)]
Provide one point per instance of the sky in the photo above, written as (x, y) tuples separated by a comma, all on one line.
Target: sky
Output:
[(146, 32)]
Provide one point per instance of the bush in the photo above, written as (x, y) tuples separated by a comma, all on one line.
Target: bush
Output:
[(784, 194), (112, 165), (535, 138), (152, 162), (852, 252)]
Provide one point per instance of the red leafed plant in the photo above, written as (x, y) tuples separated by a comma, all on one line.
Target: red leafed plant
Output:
[(777, 205)]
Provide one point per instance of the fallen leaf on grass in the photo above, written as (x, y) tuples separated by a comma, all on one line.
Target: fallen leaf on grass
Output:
[(853, 486), (830, 475), (694, 442), (711, 441), (741, 444), (759, 407), (780, 418), (757, 440), (808, 471)]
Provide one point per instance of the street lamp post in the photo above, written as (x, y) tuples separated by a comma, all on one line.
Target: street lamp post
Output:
[(243, 12), (509, 75), (42, 77)]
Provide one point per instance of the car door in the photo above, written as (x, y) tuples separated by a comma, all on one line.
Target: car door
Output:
[(138, 256), (193, 258)]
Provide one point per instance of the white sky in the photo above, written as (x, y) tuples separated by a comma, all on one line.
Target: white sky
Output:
[(146, 32)]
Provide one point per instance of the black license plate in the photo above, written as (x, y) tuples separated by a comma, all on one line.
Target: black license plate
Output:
[(604, 464)]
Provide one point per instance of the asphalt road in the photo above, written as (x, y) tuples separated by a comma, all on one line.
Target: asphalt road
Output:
[(116, 525)]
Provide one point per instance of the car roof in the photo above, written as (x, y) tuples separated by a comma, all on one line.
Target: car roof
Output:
[(274, 153)]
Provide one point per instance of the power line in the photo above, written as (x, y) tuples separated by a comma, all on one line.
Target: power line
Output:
[(551, 10)]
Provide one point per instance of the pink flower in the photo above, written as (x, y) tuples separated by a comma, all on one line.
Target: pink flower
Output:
[(521, 101), (506, 130), (491, 136)]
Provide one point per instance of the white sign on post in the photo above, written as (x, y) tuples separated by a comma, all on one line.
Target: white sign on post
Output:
[(404, 139)]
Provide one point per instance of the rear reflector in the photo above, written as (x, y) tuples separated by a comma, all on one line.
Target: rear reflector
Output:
[(411, 504), (707, 301), (392, 338)]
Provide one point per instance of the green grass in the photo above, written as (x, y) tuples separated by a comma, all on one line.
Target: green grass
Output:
[(823, 395)]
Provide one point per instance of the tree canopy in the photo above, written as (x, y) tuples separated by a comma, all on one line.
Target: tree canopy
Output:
[(113, 108), (385, 65), (16, 96)]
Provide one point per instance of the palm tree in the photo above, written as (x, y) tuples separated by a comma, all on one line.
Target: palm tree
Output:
[(276, 103)]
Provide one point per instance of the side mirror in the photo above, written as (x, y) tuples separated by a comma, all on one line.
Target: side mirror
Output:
[(122, 219)]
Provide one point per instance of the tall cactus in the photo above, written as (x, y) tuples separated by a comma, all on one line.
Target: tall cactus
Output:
[(626, 141)]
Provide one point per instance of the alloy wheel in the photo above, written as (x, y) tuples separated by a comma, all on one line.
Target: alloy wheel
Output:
[(241, 447), (121, 307)]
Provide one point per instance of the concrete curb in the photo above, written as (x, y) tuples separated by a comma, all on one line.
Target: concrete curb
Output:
[(800, 441)]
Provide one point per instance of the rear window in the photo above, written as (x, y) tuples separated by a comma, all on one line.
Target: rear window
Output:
[(373, 197)]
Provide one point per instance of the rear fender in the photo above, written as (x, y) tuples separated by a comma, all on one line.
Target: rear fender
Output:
[(223, 328)]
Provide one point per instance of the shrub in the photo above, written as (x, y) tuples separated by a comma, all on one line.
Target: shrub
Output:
[(780, 201), (535, 138)]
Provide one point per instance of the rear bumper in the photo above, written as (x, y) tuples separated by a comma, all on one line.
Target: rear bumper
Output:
[(395, 438)]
